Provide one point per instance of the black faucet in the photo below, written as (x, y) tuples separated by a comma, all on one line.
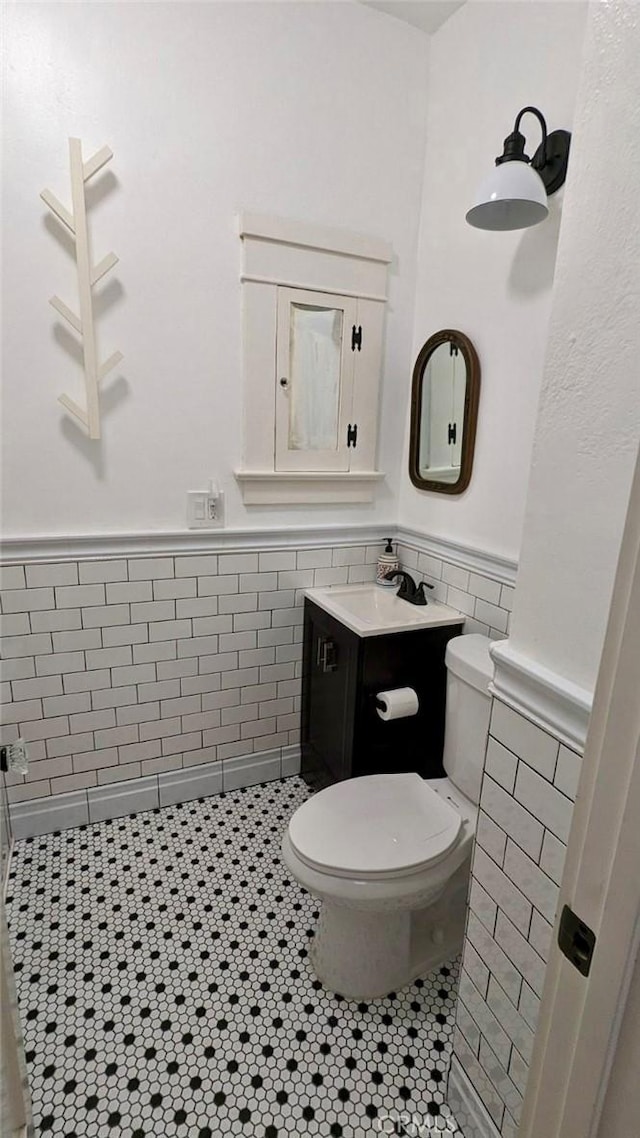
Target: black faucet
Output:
[(408, 590)]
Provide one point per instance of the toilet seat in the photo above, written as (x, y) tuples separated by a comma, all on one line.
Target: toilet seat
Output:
[(375, 827)]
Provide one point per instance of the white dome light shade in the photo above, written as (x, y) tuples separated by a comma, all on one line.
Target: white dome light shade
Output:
[(512, 197)]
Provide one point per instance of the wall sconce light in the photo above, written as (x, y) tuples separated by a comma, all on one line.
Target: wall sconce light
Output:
[(514, 196)]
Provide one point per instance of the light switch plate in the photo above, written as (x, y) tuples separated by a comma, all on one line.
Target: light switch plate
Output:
[(205, 509)]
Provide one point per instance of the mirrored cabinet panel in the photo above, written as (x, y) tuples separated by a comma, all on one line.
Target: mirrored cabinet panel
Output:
[(314, 389), (313, 386), (444, 407)]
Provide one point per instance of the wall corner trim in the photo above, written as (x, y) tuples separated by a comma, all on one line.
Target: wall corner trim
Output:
[(541, 695)]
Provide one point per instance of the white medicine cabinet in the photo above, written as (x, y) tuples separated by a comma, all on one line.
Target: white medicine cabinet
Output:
[(313, 319)]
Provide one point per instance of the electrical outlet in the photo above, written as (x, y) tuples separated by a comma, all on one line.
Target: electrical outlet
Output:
[(15, 757), (205, 508)]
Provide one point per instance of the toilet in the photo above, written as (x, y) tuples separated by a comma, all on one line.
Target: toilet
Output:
[(389, 855)]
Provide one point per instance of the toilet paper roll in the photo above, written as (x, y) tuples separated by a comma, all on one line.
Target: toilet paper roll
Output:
[(397, 704)]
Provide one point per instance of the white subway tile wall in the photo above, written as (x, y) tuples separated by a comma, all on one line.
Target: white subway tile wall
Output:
[(121, 668), (528, 790), (118, 669), (486, 603)]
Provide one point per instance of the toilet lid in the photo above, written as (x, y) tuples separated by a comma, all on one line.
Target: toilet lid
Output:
[(376, 826)]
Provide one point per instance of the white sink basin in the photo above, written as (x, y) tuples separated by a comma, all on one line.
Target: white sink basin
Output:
[(371, 610)]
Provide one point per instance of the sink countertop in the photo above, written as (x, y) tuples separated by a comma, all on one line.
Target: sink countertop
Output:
[(371, 610)]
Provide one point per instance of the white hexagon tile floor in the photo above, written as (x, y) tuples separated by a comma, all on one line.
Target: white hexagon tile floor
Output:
[(164, 987)]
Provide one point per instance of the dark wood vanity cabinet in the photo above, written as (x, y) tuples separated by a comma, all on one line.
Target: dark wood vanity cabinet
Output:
[(342, 734)]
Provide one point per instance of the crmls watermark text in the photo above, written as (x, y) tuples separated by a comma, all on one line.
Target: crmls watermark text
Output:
[(414, 1125)]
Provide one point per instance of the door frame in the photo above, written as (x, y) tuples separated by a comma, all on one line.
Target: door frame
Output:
[(580, 1017)]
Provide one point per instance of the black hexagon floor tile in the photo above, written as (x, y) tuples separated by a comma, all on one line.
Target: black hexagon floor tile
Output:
[(165, 989)]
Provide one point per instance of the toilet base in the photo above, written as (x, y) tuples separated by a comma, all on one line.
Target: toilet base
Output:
[(351, 957), (364, 955)]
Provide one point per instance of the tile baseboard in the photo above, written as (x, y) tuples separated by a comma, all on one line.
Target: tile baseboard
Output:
[(47, 815), (120, 798), (246, 772), (6, 870), (115, 800), (185, 785), (466, 1106)]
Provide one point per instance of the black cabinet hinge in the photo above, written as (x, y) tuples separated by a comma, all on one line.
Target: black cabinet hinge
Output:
[(352, 435), (452, 432), (576, 940), (356, 338)]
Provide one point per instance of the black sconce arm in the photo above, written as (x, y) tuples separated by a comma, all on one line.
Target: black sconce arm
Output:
[(550, 159), (514, 143)]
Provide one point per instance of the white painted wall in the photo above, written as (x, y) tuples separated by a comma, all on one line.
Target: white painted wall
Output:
[(487, 61), (310, 111), (588, 426)]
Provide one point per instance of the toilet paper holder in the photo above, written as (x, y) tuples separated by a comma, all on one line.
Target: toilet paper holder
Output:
[(398, 703)]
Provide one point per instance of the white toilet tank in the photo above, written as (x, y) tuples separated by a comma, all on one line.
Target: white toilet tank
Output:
[(469, 670)]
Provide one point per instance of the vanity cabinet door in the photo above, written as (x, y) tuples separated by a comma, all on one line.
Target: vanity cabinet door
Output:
[(329, 685), (342, 733), (405, 659)]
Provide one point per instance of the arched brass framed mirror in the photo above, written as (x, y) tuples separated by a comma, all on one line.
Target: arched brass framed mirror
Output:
[(444, 411)]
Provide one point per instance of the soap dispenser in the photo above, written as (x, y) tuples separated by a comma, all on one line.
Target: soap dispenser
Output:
[(387, 563)]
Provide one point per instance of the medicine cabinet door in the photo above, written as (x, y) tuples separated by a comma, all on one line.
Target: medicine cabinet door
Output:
[(316, 340)]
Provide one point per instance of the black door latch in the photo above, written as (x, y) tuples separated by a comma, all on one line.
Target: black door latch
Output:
[(576, 940)]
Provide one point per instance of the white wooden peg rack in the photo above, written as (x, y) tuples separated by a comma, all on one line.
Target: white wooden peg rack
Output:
[(88, 275)]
